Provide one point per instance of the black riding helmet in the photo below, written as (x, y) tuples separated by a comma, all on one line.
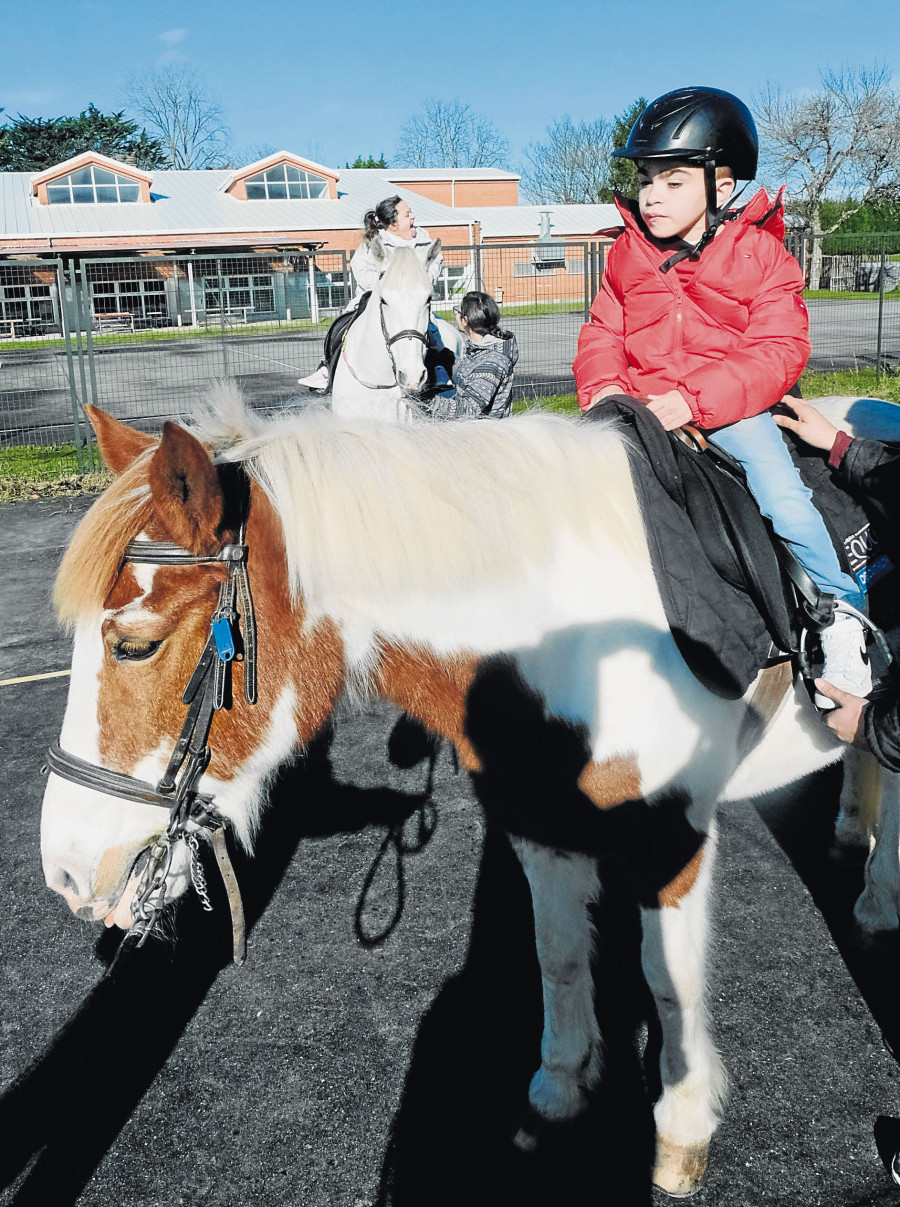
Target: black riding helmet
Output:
[(703, 126)]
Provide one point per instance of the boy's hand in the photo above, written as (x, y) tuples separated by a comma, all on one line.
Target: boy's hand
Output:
[(847, 719), (670, 409), (810, 424)]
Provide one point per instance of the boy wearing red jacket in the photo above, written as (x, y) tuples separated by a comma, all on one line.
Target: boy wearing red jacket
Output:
[(701, 311)]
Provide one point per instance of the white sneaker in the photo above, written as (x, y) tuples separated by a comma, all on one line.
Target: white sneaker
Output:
[(317, 380), (846, 661)]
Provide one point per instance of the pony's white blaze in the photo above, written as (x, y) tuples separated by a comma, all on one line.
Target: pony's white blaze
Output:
[(74, 864)]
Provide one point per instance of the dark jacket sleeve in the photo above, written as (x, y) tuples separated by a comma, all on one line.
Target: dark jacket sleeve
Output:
[(881, 722), (873, 468)]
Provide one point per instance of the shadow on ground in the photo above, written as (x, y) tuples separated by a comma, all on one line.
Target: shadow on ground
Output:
[(803, 826)]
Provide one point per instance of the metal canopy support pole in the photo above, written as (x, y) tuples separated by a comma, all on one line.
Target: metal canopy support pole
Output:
[(313, 296), (79, 350), (65, 314), (190, 277)]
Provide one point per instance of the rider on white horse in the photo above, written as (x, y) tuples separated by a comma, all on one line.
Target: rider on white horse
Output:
[(387, 227)]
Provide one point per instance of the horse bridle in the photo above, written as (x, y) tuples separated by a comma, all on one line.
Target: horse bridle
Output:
[(192, 814), (389, 340)]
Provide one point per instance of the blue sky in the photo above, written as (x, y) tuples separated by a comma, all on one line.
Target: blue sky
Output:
[(338, 78)]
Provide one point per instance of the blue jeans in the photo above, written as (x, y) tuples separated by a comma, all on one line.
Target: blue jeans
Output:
[(783, 498)]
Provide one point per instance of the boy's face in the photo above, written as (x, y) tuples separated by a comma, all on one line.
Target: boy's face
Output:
[(672, 198)]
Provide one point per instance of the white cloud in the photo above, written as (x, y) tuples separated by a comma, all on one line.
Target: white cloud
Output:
[(173, 36)]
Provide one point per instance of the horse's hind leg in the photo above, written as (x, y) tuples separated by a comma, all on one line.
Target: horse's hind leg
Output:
[(563, 885), (878, 909), (858, 813), (693, 1079)]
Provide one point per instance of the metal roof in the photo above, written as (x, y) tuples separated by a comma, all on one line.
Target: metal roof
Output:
[(442, 173), (190, 202), (566, 221)]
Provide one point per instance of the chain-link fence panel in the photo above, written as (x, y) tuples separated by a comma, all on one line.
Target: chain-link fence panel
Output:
[(544, 290), (42, 384), (144, 336), (853, 298)]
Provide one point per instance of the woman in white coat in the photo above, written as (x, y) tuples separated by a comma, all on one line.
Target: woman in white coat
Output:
[(395, 224)]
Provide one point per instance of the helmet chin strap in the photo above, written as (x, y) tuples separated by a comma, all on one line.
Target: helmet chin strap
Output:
[(714, 214)]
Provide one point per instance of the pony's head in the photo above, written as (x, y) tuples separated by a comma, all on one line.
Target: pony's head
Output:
[(139, 632), (404, 299)]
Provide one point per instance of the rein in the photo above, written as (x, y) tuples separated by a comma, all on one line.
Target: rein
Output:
[(389, 341), (192, 814)]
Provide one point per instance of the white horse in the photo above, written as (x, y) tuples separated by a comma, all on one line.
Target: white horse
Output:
[(492, 580), (382, 365)]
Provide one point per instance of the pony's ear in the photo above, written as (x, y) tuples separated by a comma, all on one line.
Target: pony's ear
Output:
[(186, 491), (433, 251), (376, 247), (119, 444)]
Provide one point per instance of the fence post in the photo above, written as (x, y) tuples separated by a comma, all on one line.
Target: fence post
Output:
[(65, 312), (881, 275)]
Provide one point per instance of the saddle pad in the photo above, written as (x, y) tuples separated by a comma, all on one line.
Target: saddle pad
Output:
[(709, 549)]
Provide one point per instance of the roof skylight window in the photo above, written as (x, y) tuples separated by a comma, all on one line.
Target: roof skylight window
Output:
[(92, 185), (284, 182)]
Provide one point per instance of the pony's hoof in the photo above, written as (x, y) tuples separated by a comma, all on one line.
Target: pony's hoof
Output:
[(680, 1168)]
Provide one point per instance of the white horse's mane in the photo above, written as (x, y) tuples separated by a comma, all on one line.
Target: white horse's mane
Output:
[(375, 509)]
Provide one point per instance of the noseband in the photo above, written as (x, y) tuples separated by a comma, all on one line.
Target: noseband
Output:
[(192, 814)]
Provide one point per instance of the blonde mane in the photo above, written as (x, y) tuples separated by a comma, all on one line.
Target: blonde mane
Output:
[(374, 510), (93, 559)]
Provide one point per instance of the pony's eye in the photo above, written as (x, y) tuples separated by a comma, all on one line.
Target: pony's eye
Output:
[(133, 649)]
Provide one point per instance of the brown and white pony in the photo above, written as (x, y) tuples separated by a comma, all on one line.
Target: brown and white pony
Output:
[(492, 580)]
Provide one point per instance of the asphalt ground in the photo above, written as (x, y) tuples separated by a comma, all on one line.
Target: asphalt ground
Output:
[(377, 1045), (148, 382)]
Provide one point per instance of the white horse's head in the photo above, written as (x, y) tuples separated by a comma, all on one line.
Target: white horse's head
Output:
[(404, 302)]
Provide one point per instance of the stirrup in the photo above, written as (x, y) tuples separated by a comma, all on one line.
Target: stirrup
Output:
[(804, 663)]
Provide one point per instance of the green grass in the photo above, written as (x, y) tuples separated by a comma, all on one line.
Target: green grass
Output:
[(163, 334), (559, 404), (35, 470), (851, 382), (526, 309), (847, 295)]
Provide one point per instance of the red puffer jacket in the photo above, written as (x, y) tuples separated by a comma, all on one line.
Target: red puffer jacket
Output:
[(729, 330)]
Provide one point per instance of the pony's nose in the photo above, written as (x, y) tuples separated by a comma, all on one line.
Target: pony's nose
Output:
[(75, 895)]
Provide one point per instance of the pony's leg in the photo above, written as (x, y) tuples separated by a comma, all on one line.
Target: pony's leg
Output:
[(878, 907), (693, 1079), (860, 793), (563, 885)]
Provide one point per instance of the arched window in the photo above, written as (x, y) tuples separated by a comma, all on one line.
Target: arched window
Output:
[(91, 185), (285, 182)]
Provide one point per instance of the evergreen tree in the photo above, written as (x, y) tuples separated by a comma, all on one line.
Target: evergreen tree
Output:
[(622, 172), (369, 162), (30, 144)]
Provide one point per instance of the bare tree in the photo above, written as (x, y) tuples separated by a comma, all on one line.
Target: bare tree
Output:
[(175, 104), (572, 165), (845, 136), (450, 134)]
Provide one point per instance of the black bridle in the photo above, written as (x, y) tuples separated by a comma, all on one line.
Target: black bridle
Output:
[(192, 814)]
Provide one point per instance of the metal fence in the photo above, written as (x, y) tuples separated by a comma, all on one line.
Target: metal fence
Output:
[(142, 337), (853, 297)]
